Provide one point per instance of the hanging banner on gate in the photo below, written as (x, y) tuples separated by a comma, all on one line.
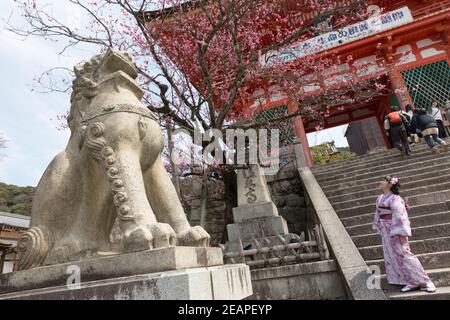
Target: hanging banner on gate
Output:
[(360, 30)]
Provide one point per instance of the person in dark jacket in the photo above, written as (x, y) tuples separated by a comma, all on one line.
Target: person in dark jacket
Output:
[(427, 125), (396, 125)]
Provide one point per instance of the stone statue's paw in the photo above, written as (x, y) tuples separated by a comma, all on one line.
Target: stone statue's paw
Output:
[(163, 235), (153, 236), (194, 237)]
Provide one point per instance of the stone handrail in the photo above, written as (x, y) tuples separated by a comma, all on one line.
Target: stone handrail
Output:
[(351, 264)]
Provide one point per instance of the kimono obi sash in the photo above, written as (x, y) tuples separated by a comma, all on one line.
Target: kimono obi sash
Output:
[(385, 213)]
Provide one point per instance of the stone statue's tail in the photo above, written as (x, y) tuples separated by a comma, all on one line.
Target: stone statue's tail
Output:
[(33, 247)]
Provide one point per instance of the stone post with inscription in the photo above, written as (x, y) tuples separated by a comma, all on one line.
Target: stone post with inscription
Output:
[(256, 216)]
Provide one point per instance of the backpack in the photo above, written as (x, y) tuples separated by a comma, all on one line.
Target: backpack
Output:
[(394, 118), (406, 119)]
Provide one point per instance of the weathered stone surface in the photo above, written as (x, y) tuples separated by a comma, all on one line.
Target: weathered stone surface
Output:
[(295, 201), (230, 282), (110, 168), (215, 226), (256, 216), (255, 211), (252, 186), (257, 228), (300, 155), (308, 281), (113, 266), (279, 201), (281, 187), (215, 206), (288, 196)]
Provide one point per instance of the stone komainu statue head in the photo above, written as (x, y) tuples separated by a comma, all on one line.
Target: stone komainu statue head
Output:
[(91, 75)]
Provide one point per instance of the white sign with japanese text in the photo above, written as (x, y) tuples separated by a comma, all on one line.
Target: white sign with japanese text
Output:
[(363, 29)]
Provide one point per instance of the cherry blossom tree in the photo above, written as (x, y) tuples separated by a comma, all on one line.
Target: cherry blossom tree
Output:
[(200, 61), (215, 62)]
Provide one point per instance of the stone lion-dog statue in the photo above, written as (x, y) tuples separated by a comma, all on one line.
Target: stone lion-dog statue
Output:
[(111, 169)]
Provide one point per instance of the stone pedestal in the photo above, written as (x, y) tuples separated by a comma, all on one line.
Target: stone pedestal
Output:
[(256, 215), (175, 273)]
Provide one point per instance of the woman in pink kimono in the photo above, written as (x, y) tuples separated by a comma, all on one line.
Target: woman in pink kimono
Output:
[(392, 224)]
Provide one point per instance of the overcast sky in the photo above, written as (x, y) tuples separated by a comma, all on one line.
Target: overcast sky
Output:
[(26, 115)]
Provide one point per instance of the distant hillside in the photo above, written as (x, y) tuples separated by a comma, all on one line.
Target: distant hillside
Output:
[(16, 199)]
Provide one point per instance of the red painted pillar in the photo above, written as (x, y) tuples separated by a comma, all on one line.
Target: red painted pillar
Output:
[(398, 87), (446, 37), (300, 132)]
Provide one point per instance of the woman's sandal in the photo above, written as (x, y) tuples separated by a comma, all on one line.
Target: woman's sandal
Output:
[(409, 288), (430, 288)]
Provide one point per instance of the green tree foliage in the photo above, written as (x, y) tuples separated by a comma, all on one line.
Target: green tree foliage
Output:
[(16, 199), (326, 153)]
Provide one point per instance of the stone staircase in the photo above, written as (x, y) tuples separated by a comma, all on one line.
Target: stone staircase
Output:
[(351, 187)]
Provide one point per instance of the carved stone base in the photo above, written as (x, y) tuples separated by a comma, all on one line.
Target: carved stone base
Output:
[(170, 273), (230, 282), (248, 230)]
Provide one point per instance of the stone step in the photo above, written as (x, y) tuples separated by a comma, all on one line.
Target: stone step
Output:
[(415, 211), (442, 293), (351, 188), (382, 170), (417, 148), (434, 260), (440, 278), (406, 194), (421, 199), (431, 179), (418, 233), (345, 164), (392, 159), (336, 165), (417, 247), (419, 221), (369, 183)]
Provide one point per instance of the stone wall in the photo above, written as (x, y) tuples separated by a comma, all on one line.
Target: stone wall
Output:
[(288, 196), (308, 281), (215, 206)]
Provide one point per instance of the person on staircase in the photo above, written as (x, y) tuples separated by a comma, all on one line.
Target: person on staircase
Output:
[(437, 115), (396, 125), (413, 137), (427, 125), (392, 224)]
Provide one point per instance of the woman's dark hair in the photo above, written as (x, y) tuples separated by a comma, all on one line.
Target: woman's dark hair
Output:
[(395, 188)]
